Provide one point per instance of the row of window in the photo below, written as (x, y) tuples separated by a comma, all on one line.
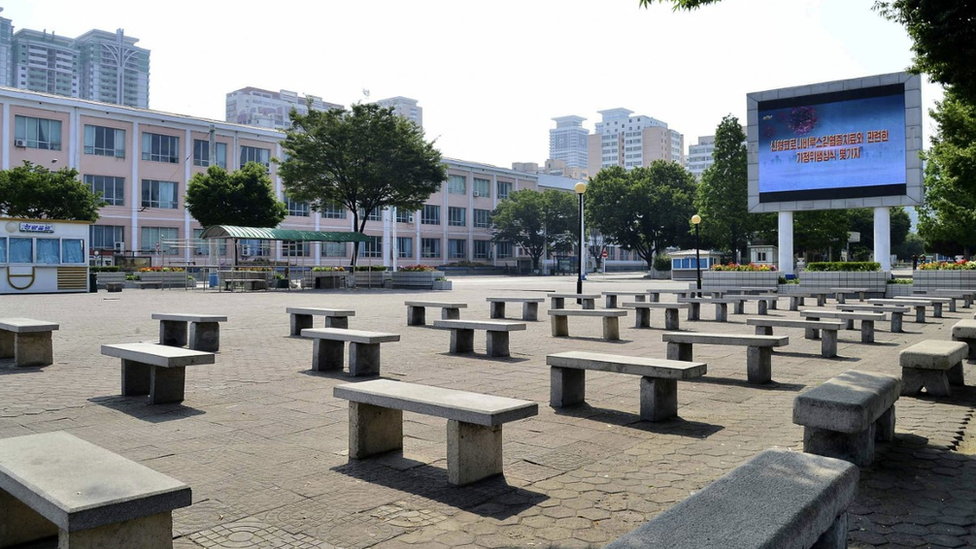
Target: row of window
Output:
[(42, 251), (458, 184)]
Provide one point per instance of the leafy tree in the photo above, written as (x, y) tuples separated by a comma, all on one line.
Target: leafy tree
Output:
[(244, 198), (538, 222), (644, 209), (365, 159), (913, 245), (32, 191), (820, 232), (861, 220)]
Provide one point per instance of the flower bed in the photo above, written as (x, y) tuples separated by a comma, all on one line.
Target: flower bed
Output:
[(751, 267), (950, 278)]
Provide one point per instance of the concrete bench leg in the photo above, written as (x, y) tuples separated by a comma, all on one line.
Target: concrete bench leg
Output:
[(374, 430), (896, 321), (759, 364), (557, 303), (611, 302), (739, 308), (530, 311), (810, 333), (20, 523), (6, 344), (764, 330), (841, 298), (496, 309), (821, 300), (364, 359), (462, 341), (341, 322), (952, 305), (474, 452), (33, 349), (671, 319), (795, 303), (205, 336), (867, 331), (955, 375), (850, 324), (721, 312), (967, 301), (416, 316), (172, 333), (450, 313), (680, 351), (836, 536), (167, 384), (970, 343), (828, 345), (327, 355), (611, 328), (935, 382), (773, 304), (135, 378), (560, 325), (658, 398), (694, 312), (153, 532), (885, 425), (496, 343), (762, 306), (920, 314), (937, 310), (857, 448), (299, 323), (642, 318), (588, 303), (567, 386)]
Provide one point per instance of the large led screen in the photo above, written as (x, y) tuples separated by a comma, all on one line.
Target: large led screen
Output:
[(848, 144)]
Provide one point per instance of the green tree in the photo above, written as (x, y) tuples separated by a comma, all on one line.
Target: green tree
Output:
[(244, 198), (861, 220), (538, 222), (644, 209), (822, 232), (365, 159), (34, 192)]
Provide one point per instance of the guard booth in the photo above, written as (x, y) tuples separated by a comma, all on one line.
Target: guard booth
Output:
[(684, 264), (43, 256)]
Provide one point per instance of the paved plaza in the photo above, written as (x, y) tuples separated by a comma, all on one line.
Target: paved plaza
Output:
[(263, 443)]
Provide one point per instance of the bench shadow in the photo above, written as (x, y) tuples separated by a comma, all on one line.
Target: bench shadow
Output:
[(962, 395), (427, 481), (591, 338), (9, 367), (797, 354), (342, 375), (873, 343), (480, 355), (735, 382), (672, 426), (139, 408)]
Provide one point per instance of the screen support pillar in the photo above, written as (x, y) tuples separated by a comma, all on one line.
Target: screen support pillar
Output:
[(882, 237), (786, 242)]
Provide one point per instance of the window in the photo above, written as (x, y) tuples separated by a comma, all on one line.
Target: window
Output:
[(255, 248), (104, 237), (482, 218), (159, 194), (482, 249), (430, 248), (296, 207), (37, 133), (333, 211), (3, 250), (334, 249), (165, 237), (456, 216), (48, 251), (503, 250), (431, 215), (201, 153), (457, 184), (761, 256), (72, 250), (457, 248), (375, 215), (102, 141), (372, 247), (112, 188), (482, 188), (202, 247), (21, 250), (160, 148), (404, 247), (504, 189), (404, 216), (293, 248), (254, 154)]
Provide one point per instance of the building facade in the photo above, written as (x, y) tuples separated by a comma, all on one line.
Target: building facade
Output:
[(622, 139), (142, 160), (405, 107), (270, 109), (700, 155), (568, 142)]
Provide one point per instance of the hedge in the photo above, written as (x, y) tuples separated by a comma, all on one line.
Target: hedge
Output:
[(849, 266)]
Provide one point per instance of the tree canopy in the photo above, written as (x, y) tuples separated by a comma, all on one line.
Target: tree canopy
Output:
[(244, 198), (34, 192), (644, 209), (364, 159), (538, 222)]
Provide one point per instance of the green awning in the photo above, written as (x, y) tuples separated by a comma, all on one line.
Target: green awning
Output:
[(257, 233)]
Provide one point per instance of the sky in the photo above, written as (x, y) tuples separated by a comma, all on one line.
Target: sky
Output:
[(491, 75)]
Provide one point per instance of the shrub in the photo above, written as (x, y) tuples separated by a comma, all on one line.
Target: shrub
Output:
[(161, 270), (846, 266), (900, 281), (662, 262), (328, 269), (737, 267), (369, 268), (417, 268), (105, 269), (962, 265)]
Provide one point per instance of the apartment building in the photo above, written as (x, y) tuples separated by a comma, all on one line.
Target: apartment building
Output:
[(141, 160), (405, 107), (568, 142), (622, 139), (700, 155), (270, 109)]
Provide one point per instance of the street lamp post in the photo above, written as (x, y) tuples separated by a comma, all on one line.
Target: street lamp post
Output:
[(696, 220), (580, 189)]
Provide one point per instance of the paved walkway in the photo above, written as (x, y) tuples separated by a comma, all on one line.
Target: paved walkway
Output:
[(263, 443)]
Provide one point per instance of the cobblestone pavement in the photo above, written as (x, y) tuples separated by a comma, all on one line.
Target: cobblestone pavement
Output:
[(263, 443)]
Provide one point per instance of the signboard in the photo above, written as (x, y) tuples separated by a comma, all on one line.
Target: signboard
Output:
[(36, 228), (604, 254)]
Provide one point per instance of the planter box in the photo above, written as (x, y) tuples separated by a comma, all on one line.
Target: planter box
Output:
[(443, 285), (876, 282), (947, 280), (164, 279), (102, 278), (328, 280), (416, 279), (726, 279), (895, 290), (367, 279)]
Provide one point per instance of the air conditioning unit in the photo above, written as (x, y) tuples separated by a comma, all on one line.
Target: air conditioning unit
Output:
[(477, 194), (120, 247), (20, 143)]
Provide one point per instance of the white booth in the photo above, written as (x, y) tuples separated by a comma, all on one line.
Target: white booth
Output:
[(43, 256)]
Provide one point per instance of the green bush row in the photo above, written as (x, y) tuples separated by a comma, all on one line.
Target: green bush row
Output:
[(105, 269), (848, 266)]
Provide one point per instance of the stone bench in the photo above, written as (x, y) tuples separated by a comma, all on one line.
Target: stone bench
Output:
[(655, 295), (658, 384), (474, 423), (56, 484), (114, 287), (300, 318), (642, 313), (843, 416), (840, 294), (763, 302), (694, 307), (934, 365), (204, 330), (867, 320), (778, 499), (759, 350), (611, 297), (530, 306), (462, 334), (246, 284), (798, 299), (828, 343), (918, 304), (558, 301), (896, 313), (559, 319), (417, 311), (364, 349), (156, 370), (965, 331), (27, 341), (965, 295), (937, 303)]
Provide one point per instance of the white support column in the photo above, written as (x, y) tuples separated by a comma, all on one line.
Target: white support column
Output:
[(387, 246), (786, 243), (882, 237)]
